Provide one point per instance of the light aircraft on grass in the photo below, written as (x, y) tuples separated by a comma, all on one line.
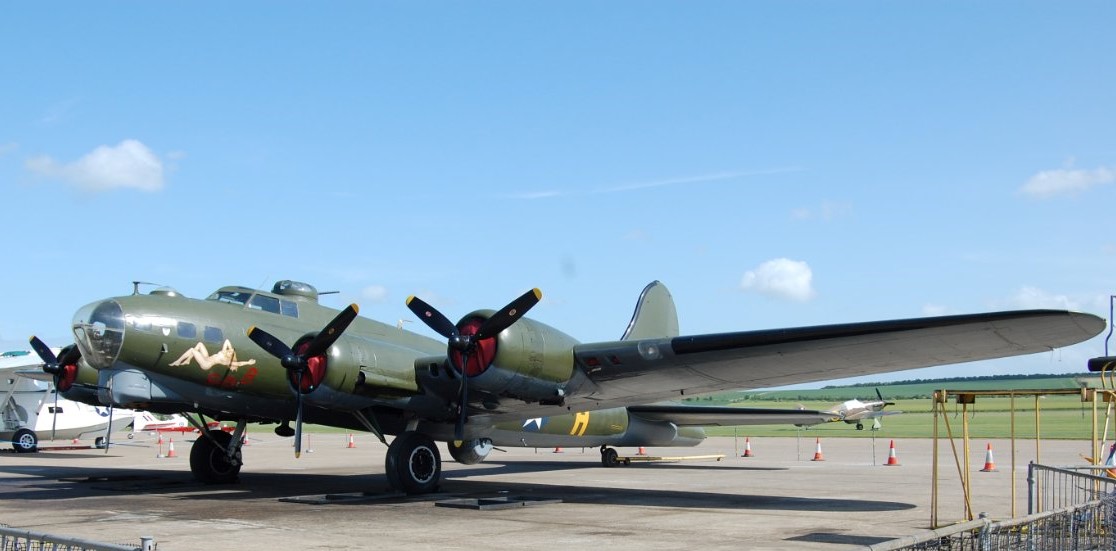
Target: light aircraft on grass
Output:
[(856, 412), (498, 379)]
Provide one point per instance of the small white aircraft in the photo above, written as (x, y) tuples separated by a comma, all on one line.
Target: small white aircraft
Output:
[(855, 411), (145, 421), (30, 408)]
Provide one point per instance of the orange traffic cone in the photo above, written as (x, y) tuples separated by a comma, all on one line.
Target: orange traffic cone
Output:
[(74, 441), (557, 450), (642, 451), (892, 459), (747, 447), (818, 453), (989, 463), (352, 444), (170, 452)]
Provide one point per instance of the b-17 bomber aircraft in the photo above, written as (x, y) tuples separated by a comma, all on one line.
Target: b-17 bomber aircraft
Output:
[(498, 379)]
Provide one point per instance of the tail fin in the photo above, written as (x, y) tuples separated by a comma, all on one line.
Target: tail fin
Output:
[(655, 316)]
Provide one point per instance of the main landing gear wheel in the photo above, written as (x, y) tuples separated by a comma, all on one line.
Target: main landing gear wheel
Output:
[(25, 441), (609, 457), (211, 463), (414, 465)]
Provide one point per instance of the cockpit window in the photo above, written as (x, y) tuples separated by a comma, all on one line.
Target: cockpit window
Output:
[(232, 297), (288, 308), (265, 303)]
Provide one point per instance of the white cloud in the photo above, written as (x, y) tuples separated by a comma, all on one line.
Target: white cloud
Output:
[(130, 164), (825, 212), (374, 293), (1034, 298), (1049, 183), (782, 278), (6, 148)]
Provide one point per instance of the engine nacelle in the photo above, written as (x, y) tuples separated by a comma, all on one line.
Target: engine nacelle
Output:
[(532, 362)]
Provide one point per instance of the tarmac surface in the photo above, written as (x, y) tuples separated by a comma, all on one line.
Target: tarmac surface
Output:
[(777, 499)]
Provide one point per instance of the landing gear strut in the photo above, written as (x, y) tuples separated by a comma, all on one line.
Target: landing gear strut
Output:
[(413, 463)]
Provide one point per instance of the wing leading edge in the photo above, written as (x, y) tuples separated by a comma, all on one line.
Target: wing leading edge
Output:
[(654, 370)]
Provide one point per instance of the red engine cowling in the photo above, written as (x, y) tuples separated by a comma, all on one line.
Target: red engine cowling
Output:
[(528, 361)]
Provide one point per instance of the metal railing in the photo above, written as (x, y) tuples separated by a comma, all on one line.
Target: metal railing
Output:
[(1071, 510), (12, 539)]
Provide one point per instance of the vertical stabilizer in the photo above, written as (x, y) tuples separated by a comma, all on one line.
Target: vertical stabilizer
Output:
[(655, 316)]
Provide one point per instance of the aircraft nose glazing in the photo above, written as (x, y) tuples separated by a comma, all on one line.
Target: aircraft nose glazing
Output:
[(99, 332)]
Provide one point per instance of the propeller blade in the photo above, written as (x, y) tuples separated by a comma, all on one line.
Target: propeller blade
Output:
[(878, 395), (331, 332), (432, 317), (54, 416), (510, 314), (298, 418), (459, 428), (108, 431), (269, 343), (44, 351)]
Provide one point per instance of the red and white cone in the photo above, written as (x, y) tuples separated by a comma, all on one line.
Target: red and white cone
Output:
[(160, 442), (989, 463), (642, 451), (892, 459), (818, 454), (352, 443), (557, 450), (747, 447), (170, 452)]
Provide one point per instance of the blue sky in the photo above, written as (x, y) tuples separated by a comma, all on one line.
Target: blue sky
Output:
[(776, 164)]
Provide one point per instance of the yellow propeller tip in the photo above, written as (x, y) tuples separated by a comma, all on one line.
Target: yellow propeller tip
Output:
[(538, 293), (250, 329), (356, 309), (410, 298)]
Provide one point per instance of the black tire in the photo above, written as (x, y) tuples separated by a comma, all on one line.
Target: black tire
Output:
[(609, 457), (413, 464), (209, 462), (470, 452), (99, 443), (25, 441)]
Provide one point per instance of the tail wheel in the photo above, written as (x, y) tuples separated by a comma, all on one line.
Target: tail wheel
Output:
[(413, 464), (210, 462)]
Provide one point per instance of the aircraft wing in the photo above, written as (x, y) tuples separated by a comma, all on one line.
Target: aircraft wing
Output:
[(625, 373), (706, 416)]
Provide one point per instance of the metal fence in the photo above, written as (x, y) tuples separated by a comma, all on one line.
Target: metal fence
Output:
[(1071, 510), (12, 539)]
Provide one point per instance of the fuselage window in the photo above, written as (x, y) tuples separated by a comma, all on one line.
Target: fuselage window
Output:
[(265, 303), (213, 334), (288, 308), (187, 330)]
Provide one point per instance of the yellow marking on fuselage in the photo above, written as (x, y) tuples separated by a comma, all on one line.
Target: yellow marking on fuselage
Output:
[(580, 424)]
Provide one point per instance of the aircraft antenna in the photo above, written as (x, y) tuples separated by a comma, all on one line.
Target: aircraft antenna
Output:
[(136, 286)]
